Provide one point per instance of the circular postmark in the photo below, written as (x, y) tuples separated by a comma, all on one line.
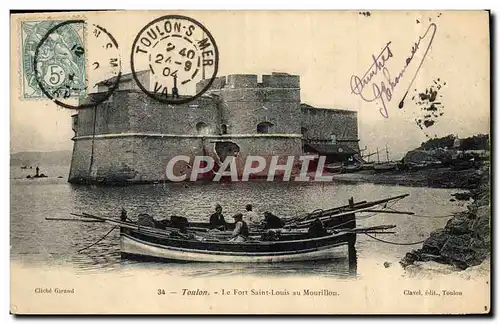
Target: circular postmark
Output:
[(178, 52), (60, 65)]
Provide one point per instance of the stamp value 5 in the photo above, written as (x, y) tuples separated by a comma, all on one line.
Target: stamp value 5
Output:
[(59, 61)]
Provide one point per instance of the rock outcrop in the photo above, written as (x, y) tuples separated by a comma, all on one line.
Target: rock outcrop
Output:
[(465, 241)]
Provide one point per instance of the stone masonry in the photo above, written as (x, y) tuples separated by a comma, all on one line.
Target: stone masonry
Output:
[(131, 137)]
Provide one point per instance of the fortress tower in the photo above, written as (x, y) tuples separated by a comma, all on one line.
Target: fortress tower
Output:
[(131, 137)]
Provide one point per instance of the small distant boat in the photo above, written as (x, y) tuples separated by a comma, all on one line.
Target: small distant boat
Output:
[(367, 166), (385, 166), (416, 166), (23, 167), (36, 176), (333, 167), (349, 168), (434, 164)]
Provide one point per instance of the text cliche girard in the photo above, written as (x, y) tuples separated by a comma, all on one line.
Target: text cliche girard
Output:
[(56, 290)]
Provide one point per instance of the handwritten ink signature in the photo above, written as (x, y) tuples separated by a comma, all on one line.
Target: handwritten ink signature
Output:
[(384, 90)]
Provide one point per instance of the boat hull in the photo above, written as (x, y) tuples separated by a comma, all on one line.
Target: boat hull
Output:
[(385, 167), (325, 248), (352, 169)]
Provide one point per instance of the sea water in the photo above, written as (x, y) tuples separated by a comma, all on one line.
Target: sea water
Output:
[(36, 241)]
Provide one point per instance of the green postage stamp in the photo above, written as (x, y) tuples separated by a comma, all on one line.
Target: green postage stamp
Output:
[(53, 59)]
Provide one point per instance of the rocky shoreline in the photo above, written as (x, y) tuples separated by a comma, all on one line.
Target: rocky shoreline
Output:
[(465, 241), (433, 178)]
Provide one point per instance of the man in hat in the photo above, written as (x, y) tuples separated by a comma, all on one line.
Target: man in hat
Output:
[(217, 220), (252, 217), (240, 233)]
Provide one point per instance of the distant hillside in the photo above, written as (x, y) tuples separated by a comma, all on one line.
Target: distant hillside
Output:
[(41, 158), (446, 149), (476, 142)]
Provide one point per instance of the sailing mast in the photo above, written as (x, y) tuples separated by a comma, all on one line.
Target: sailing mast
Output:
[(202, 62)]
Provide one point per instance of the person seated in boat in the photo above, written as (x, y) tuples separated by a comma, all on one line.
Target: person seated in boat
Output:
[(241, 232), (123, 215), (272, 221), (317, 229), (217, 220), (145, 220), (270, 235), (252, 218), (179, 222), (163, 223)]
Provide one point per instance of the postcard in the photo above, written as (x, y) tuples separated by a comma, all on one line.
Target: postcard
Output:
[(250, 162)]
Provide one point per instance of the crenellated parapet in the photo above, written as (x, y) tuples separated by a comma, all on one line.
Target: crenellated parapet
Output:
[(250, 81), (247, 106)]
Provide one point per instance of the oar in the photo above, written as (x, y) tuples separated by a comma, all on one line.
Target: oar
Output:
[(283, 231), (75, 220), (119, 223), (357, 207), (371, 228), (366, 207), (376, 232), (308, 222), (378, 228), (329, 211), (135, 225), (388, 211)]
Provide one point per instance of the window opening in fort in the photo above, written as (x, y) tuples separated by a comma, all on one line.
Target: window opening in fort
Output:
[(264, 127), (75, 122), (202, 129), (223, 129)]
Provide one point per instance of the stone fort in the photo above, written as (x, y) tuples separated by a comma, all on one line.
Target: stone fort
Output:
[(131, 137)]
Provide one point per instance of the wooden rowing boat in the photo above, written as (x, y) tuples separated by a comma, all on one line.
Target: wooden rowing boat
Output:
[(292, 245), (296, 241), (146, 246)]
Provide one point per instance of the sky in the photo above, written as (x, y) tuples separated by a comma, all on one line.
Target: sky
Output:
[(326, 49)]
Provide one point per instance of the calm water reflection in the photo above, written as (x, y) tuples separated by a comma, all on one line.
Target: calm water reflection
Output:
[(35, 240)]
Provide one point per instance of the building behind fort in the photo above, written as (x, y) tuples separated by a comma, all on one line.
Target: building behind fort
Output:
[(131, 137)]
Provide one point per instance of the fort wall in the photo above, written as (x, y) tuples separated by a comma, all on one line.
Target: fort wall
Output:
[(143, 159), (131, 137), (333, 124)]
